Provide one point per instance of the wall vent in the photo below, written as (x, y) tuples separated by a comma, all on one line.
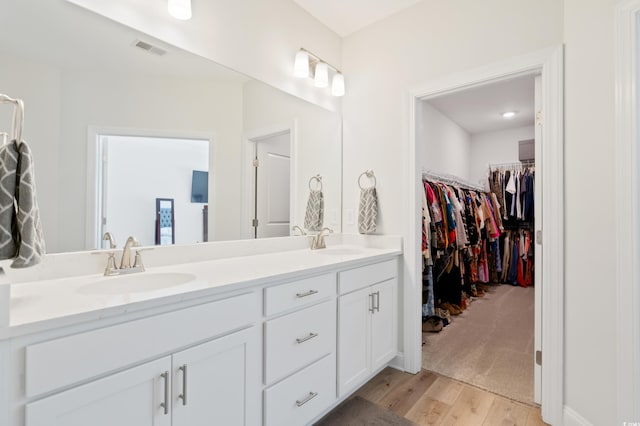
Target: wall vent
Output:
[(149, 47)]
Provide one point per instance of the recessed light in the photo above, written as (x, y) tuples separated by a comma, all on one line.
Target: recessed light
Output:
[(509, 114)]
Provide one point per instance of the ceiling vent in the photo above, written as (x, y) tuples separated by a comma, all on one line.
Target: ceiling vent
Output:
[(149, 47)]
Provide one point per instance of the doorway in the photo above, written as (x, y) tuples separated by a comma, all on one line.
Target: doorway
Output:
[(137, 171), (479, 313), (271, 186), (549, 63)]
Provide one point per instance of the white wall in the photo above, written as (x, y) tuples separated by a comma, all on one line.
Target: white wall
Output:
[(318, 149), (142, 169), (39, 86), (495, 147), (175, 107), (590, 357), (422, 43), (255, 37), (446, 144)]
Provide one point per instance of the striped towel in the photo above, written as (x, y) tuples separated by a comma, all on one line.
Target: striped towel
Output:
[(368, 211), (21, 235), (314, 215)]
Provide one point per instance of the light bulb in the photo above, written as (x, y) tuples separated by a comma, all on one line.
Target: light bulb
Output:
[(321, 78), (337, 85), (509, 114), (180, 9), (301, 66)]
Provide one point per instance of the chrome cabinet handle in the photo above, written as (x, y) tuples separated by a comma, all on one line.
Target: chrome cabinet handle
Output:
[(377, 306), (309, 337), (165, 404), (183, 395), (309, 397), (372, 308), (309, 293)]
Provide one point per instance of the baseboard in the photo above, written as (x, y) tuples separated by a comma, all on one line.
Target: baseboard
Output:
[(572, 418), (398, 362)]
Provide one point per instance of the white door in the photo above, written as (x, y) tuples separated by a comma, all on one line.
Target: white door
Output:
[(130, 398), (220, 384), (354, 331), (537, 343), (384, 328), (272, 186)]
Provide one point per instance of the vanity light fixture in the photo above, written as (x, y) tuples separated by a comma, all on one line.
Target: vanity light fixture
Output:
[(180, 9), (306, 61), (509, 114)]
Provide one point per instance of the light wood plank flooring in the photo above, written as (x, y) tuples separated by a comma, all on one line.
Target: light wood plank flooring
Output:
[(430, 399)]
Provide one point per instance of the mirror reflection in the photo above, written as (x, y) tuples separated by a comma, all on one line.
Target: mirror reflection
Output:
[(102, 102)]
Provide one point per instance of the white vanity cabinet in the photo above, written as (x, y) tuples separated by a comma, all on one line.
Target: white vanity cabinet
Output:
[(367, 322), (300, 350), (215, 382)]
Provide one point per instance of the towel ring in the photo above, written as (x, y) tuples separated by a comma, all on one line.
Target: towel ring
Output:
[(369, 174), (318, 179)]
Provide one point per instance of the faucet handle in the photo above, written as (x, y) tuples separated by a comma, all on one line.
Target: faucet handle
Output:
[(137, 262), (296, 227)]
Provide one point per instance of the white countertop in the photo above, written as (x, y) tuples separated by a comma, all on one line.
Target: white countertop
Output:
[(45, 304)]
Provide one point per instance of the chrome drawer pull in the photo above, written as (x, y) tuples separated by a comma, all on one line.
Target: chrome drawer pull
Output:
[(309, 293), (307, 399), (309, 337), (377, 307), (183, 395), (165, 404), (372, 309)]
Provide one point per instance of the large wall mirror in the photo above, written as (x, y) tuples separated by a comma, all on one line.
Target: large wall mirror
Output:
[(118, 119)]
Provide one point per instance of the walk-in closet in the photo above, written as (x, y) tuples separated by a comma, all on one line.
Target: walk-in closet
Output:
[(480, 203)]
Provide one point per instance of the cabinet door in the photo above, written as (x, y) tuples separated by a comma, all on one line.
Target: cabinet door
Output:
[(221, 382), (354, 319), (384, 323), (130, 398)]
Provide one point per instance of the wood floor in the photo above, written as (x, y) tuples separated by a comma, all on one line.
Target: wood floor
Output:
[(430, 399)]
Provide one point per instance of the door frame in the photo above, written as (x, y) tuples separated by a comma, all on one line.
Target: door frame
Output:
[(627, 77), (93, 204), (549, 171), (250, 138)]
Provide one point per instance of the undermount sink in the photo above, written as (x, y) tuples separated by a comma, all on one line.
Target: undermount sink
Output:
[(136, 283), (341, 251)]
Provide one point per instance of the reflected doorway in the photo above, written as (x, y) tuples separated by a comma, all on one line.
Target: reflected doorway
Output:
[(136, 171), (272, 185)]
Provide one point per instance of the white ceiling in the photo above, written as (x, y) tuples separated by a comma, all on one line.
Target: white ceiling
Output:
[(71, 38), (479, 109), (348, 16)]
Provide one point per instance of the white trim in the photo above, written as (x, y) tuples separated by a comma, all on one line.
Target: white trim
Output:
[(92, 240), (397, 362), (256, 135), (627, 213), (572, 418), (551, 174)]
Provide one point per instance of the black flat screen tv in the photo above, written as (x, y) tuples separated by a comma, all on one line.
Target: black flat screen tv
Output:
[(200, 187)]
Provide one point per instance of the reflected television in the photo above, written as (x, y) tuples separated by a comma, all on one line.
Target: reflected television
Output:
[(200, 187)]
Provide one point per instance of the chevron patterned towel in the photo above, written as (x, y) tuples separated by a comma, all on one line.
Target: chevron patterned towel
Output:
[(21, 236), (314, 215), (368, 211)]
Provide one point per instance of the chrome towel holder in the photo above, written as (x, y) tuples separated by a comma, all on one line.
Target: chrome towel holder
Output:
[(318, 179), (370, 175)]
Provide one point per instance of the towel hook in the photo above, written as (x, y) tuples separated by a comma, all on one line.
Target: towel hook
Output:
[(370, 175), (318, 179)]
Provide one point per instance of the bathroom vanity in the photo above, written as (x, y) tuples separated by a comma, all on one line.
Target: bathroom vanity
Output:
[(278, 337)]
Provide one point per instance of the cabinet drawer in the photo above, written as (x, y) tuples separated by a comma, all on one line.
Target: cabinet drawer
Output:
[(298, 339), (298, 293), (303, 396), (357, 278), (61, 362)]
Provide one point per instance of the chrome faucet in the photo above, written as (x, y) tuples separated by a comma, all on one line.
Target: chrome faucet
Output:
[(296, 227), (125, 262), (111, 268), (318, 240), (108, 236)]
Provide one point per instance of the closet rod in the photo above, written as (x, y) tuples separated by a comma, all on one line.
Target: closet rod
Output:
[(451, 180), (525, 163)]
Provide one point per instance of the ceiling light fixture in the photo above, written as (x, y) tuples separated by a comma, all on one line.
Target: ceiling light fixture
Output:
[(306, 61), (509, 114), (180, 9)]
